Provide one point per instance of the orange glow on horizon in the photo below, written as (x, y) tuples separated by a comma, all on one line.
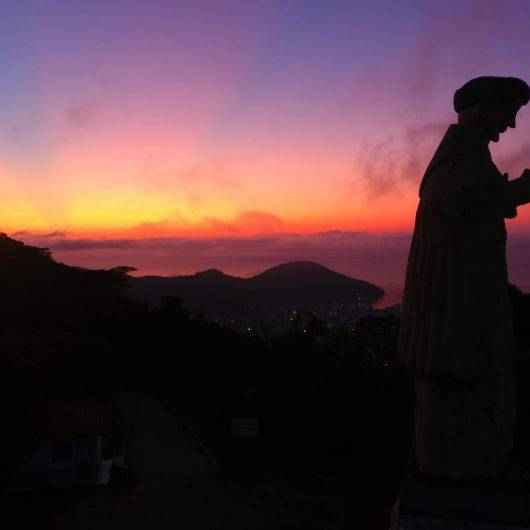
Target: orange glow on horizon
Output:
[(163, 120)]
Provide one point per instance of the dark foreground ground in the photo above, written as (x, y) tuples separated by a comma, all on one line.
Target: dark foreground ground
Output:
[(273, 503), (174, 502), (442, 505), (408, 522)]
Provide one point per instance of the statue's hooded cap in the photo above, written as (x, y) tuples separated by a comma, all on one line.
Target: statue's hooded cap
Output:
[(491, 91)]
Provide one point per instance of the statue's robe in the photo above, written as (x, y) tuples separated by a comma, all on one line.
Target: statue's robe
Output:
[(456, 333)]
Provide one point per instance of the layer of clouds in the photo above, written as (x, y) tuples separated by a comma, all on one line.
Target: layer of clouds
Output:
[(207, 172), (396, 162), (377, 258), (380, 259), (195, 183), (26, 234), (451, 47)]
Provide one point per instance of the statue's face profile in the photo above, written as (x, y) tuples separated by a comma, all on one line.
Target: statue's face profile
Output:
[(497, 119)]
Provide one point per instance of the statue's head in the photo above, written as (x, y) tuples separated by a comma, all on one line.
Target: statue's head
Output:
[(491, 104)]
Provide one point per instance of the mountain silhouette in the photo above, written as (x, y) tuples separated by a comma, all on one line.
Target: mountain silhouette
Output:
[(50, 309), (31, 279), (211, 274), (303, 273), (37, 287), (301, 285)]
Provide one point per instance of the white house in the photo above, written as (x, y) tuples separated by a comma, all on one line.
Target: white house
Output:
[(65, 463), (75, 447)]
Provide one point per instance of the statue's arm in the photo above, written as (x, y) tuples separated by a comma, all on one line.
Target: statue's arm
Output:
[(510, 206), (467, 203), (467, 198), (518, 190)]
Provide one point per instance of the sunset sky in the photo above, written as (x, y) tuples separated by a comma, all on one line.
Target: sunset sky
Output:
[(176, 136)]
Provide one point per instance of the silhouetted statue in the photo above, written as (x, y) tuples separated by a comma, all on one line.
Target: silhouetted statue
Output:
[(456, 334)]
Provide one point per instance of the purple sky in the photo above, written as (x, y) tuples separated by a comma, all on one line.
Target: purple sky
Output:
[(205, 134)]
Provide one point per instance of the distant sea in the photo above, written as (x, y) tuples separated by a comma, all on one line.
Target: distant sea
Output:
[(393, 295), (378, 259)]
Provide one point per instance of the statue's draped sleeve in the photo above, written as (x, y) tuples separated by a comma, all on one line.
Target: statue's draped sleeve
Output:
[(456, 333), (468, 187), (456, 282)]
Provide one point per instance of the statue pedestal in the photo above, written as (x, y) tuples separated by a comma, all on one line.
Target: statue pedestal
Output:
[(495, 502)]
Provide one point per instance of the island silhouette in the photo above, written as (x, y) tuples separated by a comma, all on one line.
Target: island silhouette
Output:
[(271, 296)]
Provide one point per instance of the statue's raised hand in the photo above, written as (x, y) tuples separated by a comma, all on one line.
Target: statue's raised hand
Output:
[(519, 189), (525, 175)]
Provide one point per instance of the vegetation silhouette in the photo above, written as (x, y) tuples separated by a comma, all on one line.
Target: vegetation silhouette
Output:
[(71, 333)]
